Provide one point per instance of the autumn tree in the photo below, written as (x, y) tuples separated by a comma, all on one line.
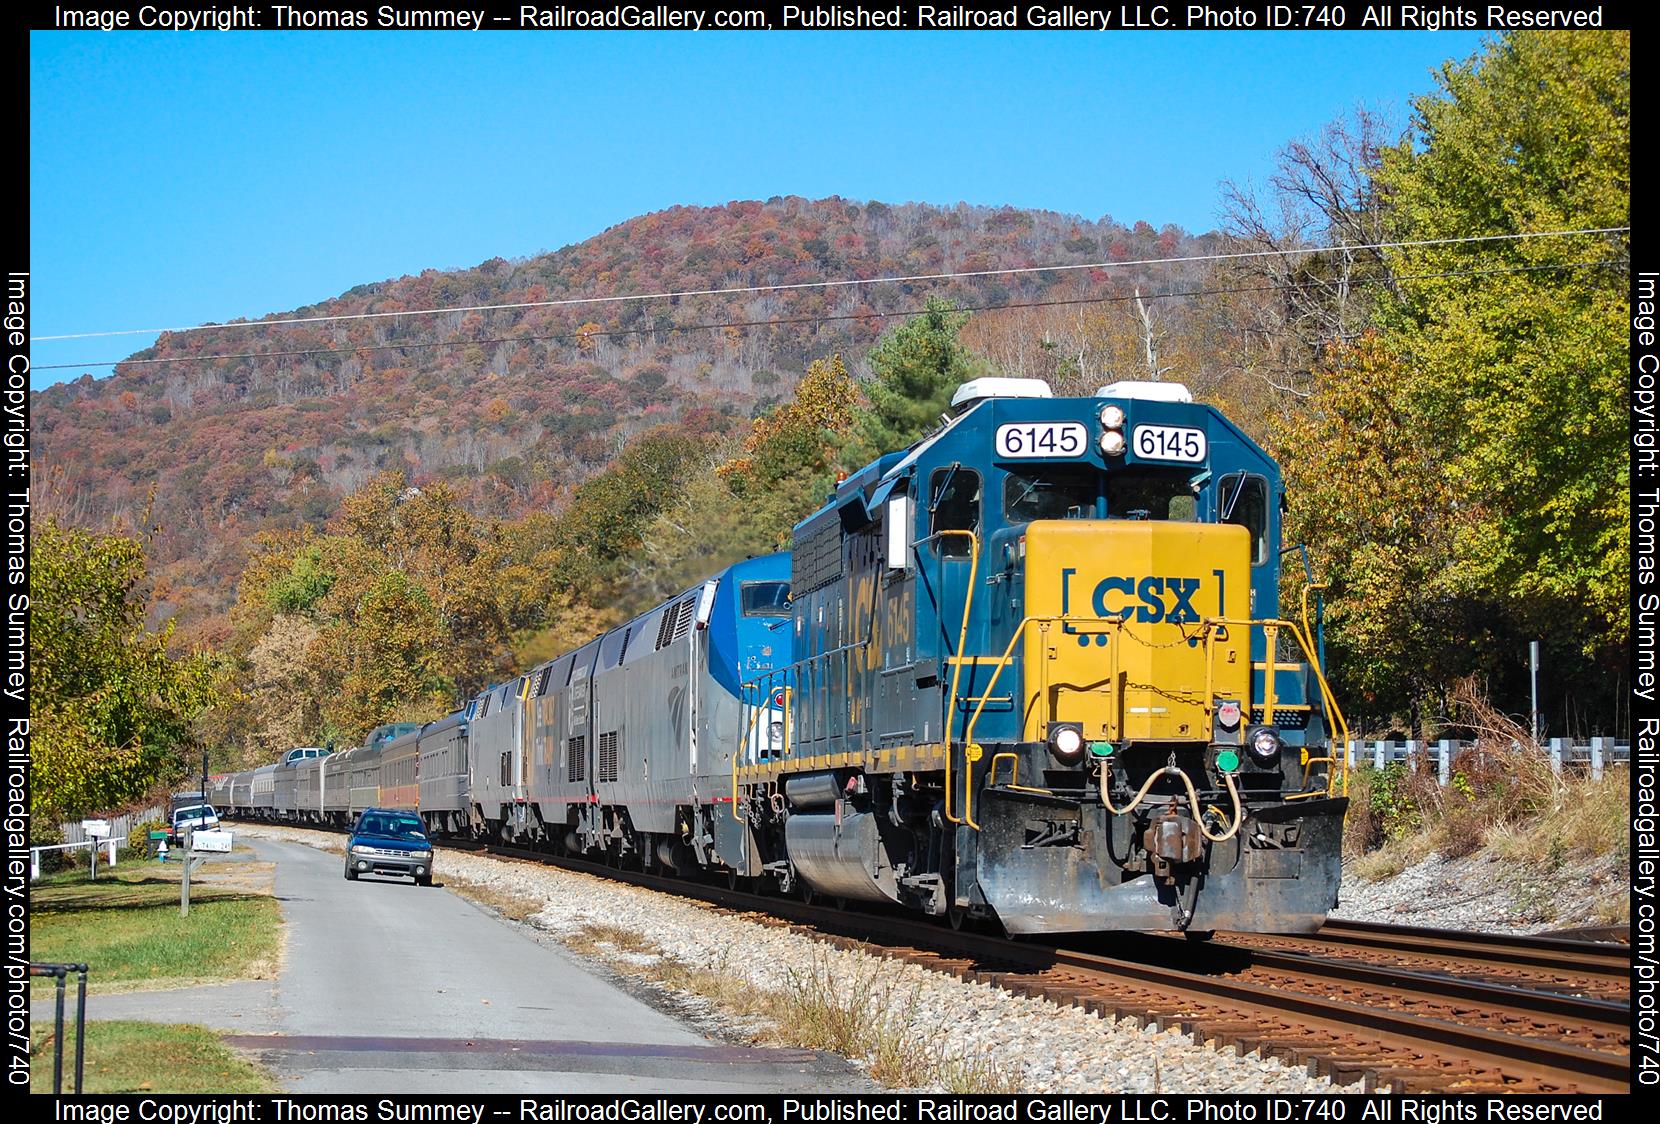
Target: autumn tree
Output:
[(407, 605)]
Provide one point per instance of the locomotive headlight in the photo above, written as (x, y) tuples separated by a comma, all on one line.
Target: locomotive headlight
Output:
[(775, 731), (1265, 743), (1112, 417), (1112, 442), (1066, 741)]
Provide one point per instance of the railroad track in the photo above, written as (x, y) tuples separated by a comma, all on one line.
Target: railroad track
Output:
[(1386, 1027), (1407, 1010), (1577, 967)]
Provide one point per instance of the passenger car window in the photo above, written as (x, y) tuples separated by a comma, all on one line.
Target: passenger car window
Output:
[(1052, 492), (1244, 501), (955, 506)]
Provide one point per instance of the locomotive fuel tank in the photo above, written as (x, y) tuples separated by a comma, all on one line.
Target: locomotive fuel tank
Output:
[(842, 856)]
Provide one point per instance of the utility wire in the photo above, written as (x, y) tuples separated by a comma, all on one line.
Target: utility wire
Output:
[(620, 332), (841, 283)]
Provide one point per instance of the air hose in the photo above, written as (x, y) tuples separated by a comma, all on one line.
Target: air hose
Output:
[(1192, 796)]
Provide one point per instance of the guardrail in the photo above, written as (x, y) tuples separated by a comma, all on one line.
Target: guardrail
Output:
[(61, 973), (92, 846), (1594, 756)]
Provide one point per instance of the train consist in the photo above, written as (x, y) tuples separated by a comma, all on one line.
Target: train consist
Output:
[(1031, 668)]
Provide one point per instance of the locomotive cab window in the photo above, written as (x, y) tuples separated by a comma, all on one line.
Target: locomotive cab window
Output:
[(1244, 500), (765, 599), (954, 505), (1159, 494), (1051, 492)]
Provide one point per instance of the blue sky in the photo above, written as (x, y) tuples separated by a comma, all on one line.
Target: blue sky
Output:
[(178, 178)]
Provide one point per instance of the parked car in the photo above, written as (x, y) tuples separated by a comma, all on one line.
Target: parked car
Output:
[(194, 817), (389, 841)]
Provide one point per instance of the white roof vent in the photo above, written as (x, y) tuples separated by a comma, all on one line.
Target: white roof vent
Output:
[(976, 389), (1146, 391)]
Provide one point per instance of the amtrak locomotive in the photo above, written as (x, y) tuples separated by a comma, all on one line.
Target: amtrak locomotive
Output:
[(1031, 669)]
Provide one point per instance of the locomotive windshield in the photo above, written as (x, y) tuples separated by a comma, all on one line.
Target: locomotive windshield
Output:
[(1051, 492), (1151, 493), (765, 599)]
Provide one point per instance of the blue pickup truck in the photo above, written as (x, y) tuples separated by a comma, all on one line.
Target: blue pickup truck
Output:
[(389, 841)]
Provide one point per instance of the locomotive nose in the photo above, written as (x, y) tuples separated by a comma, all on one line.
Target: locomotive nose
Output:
[(1132, 661)]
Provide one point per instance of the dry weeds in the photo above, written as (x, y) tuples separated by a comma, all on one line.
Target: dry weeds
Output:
[(857, 1013)]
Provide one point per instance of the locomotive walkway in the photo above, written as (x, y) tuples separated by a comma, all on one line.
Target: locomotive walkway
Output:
[(387, 987)]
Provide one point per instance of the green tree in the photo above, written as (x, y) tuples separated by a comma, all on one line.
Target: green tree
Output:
[(1520, 377), (916, 368), (110, 709), (1463, 469)]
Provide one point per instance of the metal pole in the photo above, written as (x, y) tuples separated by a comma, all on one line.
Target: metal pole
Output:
[(1533, 659), (80, 1028), (57, 1060), (184, 885)]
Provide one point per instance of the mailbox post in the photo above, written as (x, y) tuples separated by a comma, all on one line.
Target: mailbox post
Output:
[(96, 830)]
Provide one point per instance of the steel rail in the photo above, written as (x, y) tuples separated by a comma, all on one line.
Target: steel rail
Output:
[(1497, 948)]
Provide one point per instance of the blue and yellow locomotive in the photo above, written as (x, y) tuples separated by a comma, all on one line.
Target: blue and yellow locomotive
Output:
[(1040, 675), (1029, 669)]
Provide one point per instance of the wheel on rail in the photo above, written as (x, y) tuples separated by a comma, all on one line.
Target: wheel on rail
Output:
[(807, 894), (1198, 936), (956, 915)]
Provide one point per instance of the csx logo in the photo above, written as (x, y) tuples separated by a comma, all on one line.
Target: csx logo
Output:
[(1150, 599)]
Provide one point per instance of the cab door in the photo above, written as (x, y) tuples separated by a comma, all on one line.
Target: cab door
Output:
[(946, 560)]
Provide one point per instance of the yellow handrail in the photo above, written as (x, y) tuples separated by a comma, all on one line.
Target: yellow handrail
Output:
[(1326, 696), (957, 666)]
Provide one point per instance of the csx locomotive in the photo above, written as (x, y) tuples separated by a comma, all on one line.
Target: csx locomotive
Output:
[(1030, 669)]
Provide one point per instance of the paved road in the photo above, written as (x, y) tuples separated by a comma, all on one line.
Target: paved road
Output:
[(390, 987)]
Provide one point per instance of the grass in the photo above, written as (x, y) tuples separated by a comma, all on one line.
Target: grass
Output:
[(857, 1013), (137, 1057), (127, 927)]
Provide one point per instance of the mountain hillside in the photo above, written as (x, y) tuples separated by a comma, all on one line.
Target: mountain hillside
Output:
[(516, 407)]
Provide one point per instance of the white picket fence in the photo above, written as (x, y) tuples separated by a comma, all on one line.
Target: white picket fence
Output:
[(119, 825), (1593, 757)]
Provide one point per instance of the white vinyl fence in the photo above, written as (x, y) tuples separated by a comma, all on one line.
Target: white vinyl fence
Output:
[(1593, 756)]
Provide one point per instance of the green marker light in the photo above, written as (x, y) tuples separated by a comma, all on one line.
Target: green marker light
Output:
[(1227, 761), (1102, 749)]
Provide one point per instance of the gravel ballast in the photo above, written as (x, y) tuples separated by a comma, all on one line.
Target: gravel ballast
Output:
[(986, 1039), (1484, 894)]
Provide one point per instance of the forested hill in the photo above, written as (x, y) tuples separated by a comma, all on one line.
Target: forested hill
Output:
[(518, 406)]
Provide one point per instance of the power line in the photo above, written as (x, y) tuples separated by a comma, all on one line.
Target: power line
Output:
[(621, 332), (841, 283)]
